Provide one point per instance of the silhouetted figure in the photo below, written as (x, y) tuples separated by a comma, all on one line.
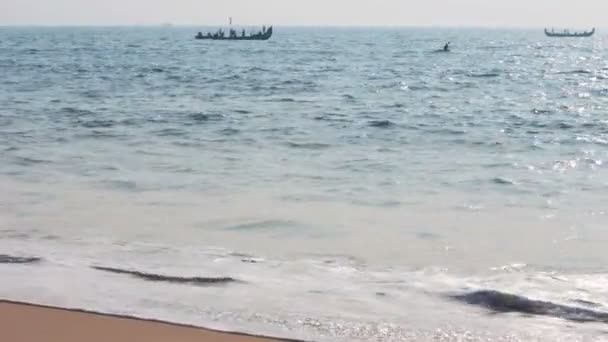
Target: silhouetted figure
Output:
[(446, 48)]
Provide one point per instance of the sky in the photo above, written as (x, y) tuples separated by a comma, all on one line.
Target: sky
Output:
[(488, 13)]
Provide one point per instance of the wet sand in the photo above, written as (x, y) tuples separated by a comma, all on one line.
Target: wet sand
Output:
[(20, 322)]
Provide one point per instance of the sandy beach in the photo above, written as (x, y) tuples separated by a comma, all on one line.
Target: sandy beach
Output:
[(21, 322)]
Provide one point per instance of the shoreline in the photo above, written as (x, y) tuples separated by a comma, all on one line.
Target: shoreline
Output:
[(21, 321)]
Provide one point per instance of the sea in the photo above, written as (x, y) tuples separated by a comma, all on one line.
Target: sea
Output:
[(330, 184)]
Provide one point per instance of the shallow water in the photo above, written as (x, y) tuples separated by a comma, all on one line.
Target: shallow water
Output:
[(352, 181)]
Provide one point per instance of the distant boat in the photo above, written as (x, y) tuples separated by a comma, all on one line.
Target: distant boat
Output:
[(265, 34), (567, 33)]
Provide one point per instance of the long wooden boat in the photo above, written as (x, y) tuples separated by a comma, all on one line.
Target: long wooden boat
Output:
[(265, 34), (567, 33)]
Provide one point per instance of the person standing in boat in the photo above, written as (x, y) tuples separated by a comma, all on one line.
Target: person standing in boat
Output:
[(446, 48)]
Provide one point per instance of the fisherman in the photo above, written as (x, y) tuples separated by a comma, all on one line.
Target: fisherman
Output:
[(199, 35), (446, 48)]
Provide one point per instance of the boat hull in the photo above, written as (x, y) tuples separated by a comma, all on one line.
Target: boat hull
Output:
[(569, 35)]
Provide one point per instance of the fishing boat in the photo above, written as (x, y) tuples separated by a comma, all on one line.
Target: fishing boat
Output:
[(264, 34), (567, 33)]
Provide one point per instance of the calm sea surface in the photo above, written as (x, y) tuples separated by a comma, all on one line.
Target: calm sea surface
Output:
[(357, 184)]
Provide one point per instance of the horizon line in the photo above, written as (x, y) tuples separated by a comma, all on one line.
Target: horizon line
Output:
[(170, 25)]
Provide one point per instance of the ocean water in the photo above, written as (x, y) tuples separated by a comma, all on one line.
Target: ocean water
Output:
[(329, 184)]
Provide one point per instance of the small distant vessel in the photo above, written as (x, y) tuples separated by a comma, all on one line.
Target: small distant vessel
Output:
[(567, 33), (264, 34)]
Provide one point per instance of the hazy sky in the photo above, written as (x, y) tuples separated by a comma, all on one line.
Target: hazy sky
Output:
[(516, 13)]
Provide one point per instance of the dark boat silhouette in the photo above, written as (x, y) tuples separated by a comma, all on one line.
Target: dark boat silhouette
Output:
[(265, 34), (567, 33)]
